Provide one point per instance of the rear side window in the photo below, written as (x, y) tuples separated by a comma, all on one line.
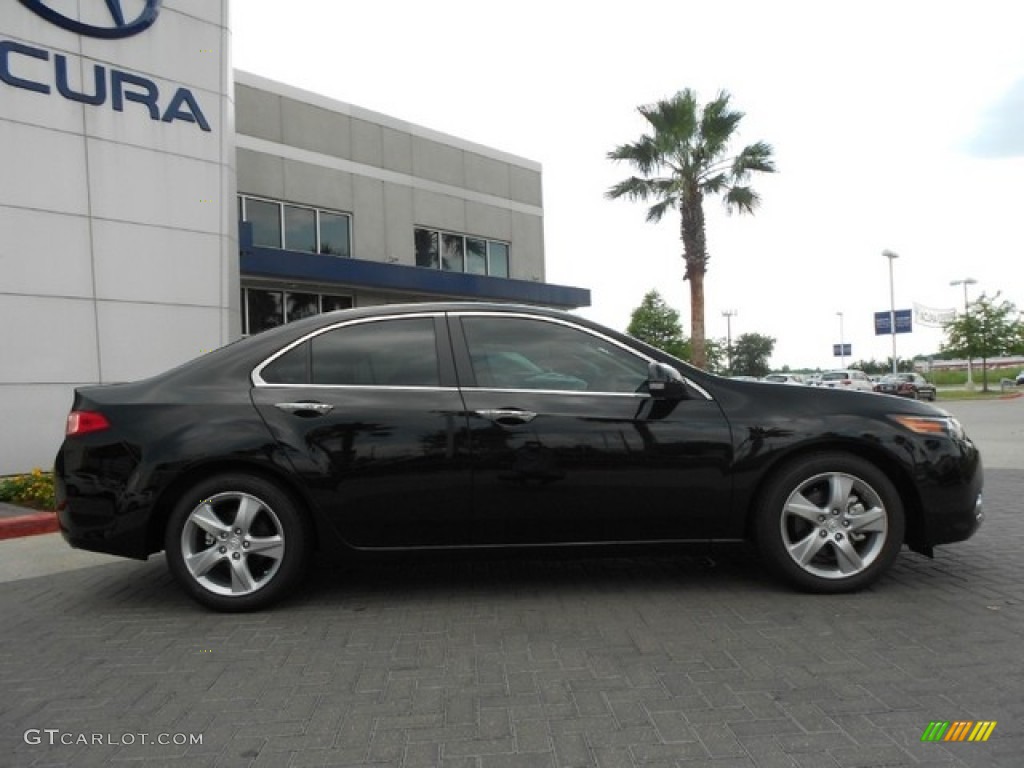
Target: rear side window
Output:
[(400, 352), (290, 368)]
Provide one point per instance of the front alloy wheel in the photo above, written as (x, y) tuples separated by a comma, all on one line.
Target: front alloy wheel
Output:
[(236, 543), (831, 524)]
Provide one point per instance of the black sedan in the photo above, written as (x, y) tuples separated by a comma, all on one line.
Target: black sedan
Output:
[(467, 426), (912, 385)]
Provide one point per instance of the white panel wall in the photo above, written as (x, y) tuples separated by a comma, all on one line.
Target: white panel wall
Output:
[(119, 252)]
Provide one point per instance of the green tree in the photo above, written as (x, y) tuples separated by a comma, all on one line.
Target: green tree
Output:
[(714, 350), (750, 354), (656, 323), (988, 329), (684, 158)]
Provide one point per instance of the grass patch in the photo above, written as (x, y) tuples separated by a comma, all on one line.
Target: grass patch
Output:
[(978, 394)]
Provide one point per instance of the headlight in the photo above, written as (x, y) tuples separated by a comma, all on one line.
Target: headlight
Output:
[(931, 425)]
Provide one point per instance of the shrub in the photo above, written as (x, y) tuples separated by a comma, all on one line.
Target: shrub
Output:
[(32, 490)]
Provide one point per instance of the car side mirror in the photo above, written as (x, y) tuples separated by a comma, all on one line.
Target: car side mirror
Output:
[(665, 383)]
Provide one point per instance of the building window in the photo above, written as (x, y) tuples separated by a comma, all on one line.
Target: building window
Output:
[(453, 258), (297, 227), (263, 309), (426, 248), (335, 234), (476, 256), (497, 259), (452, 252), (265, 218)]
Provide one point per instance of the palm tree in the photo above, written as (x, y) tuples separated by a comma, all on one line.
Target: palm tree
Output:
[(684, 158)]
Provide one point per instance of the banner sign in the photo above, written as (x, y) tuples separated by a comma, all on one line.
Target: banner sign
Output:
[(933, 318)]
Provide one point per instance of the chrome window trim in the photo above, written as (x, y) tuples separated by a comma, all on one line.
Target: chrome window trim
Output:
[(582, 329), (698, 387), (634, 395), (257, 378), (265, 385)]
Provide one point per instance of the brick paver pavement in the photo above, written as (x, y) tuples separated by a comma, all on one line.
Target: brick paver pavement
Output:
[(527, 663)]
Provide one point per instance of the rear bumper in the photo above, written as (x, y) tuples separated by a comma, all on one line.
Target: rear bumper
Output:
[(97, 512)]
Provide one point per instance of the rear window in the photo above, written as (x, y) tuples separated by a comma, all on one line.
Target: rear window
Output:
[(834, 376)]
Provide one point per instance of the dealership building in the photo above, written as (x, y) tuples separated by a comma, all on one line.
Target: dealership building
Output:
[(157, 204)]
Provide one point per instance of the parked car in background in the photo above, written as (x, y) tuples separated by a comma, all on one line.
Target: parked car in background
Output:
[(912, 385), (849, 378), (784, 378), (465, 426), (1020, 379)]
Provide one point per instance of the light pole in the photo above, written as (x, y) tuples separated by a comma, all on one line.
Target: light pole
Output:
[(842, 346), (892, 305), (967, 315), (728, 314)]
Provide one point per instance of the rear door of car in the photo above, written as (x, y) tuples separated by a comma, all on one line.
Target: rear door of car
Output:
[(370, 417), (568, 446)]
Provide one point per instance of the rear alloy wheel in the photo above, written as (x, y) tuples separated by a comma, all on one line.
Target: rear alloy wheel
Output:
[(236, 543), (832, 523)]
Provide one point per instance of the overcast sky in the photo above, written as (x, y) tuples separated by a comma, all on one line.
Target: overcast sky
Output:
[(896, 125)]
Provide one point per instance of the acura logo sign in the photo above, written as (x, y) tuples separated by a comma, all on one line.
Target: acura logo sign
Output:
[(41, 71), (118, 26)]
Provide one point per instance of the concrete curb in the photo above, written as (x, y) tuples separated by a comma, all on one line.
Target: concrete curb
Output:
[(28, 525)]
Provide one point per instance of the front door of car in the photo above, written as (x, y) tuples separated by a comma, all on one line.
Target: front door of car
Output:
[(370, 418), (569, 446)]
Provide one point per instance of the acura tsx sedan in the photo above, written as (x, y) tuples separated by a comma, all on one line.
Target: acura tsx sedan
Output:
[(473, 426)]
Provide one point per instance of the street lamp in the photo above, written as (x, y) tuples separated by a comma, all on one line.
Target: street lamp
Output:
[(892, 306), (842, 346), (967, 326), (728, 314)]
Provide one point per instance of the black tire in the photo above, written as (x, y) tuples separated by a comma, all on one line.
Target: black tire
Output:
[(232, 564), (830, 523)]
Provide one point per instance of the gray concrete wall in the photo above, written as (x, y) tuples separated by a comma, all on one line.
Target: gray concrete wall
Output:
[(119, 255)]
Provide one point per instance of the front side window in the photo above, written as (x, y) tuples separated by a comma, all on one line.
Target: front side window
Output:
[(522, 353)]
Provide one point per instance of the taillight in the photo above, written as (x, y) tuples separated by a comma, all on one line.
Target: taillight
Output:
[(84, 422)]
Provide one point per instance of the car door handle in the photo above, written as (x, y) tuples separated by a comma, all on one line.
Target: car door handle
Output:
[(507, 416), (305, 409)]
